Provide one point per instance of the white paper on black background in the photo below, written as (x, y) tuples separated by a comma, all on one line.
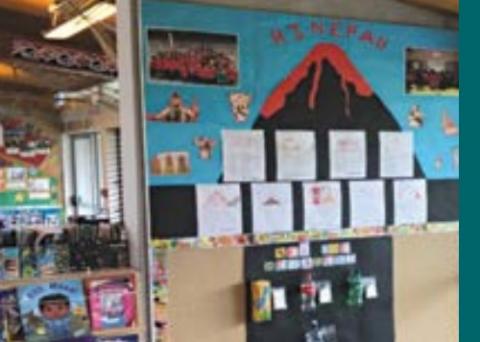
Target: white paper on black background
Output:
[(322, 203), (296, 155), (410, 201), (243, 155), (348, 154), (396, 154), (367, 203), (272, 207), (219, 209)]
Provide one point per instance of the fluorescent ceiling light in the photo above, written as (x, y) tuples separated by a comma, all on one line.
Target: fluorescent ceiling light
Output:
[(84, 20)]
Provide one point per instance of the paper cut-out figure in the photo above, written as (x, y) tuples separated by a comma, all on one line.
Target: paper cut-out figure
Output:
[(355, 289), (415, 117), (449, 127), (456, 157), (240, 106), (170, 163), (177, 111), (205, 146), (438, 163)]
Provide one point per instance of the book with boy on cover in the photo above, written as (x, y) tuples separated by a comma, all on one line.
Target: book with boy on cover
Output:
[(53, 311), (10, 322)]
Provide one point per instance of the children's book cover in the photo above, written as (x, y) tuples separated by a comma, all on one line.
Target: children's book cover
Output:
[(10, 321), (9, 263), (112, 303), (53, 311)]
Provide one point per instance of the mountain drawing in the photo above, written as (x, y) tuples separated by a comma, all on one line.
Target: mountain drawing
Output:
[(324, 92)]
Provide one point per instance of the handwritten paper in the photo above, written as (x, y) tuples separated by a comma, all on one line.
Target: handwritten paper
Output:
[(272, 208), (348, 156), (243, 155), (322, 202), (410, 201), (296, 155), (396, 154), (367, 204), (219, 209)]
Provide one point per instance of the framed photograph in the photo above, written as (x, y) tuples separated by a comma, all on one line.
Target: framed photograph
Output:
[(193, 57), (431, 72)]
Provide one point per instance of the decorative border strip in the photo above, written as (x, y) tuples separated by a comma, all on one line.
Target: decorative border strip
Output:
[(291, 237)]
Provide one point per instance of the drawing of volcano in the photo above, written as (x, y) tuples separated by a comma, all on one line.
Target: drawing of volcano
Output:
[(326, 92)]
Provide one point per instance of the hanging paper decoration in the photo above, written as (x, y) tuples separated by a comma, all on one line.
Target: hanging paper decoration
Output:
[(355, 289)]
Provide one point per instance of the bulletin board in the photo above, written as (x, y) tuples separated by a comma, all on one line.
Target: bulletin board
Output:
[(425, 275), (30, 170), (261, 122), (372, 321)]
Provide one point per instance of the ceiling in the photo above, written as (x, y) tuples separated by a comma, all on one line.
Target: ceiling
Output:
[(34, 18), (31, 7), (30, 77), (442, 5)]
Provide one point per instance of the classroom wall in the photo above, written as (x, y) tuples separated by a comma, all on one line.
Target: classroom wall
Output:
[(426, 288), (207, 304), (393, 11), (206, 299)]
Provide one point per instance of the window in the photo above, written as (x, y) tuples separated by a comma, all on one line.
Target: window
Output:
[(85, 175), (92, 175), (113, 175)]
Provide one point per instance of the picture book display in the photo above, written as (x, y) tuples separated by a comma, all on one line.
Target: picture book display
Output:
[(258, 100), (53, 311), (10, 319)]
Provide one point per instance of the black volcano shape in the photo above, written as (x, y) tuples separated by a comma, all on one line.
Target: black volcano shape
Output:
[(334, 109)]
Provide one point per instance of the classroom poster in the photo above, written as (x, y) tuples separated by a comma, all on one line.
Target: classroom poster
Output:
[(243, 97)]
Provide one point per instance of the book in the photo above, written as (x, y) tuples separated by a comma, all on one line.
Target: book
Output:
[(112, 302), (10, 321), (53, 311), (9, 263)]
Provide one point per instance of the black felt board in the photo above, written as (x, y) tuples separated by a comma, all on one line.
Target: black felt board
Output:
[(443, 200), (173, 212), (374, 322), (173, 208)]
